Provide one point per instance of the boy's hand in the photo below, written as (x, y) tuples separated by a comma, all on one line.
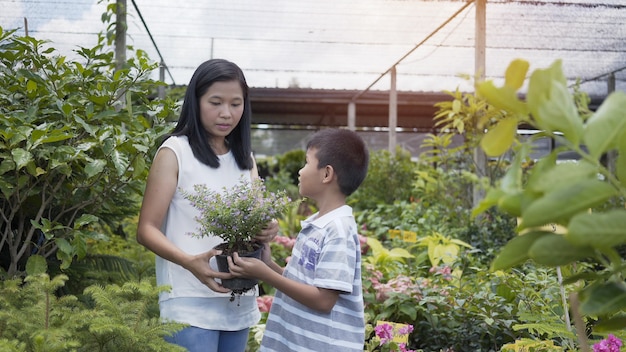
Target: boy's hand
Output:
[(247, 267)]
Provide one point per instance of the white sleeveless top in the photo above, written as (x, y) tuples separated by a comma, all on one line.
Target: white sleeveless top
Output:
[(190, 301)]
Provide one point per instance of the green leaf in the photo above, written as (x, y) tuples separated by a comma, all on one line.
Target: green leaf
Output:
[(620, 167), (541, 167), (139, 167), (516, 73), (500, 138), (21, 157), (6, 165), (56, 136), (85, 219), (564, 175), (99, 100), (491, 199), (599, 230), (559, 205), (515, 252), (554, 250), (606, 125), (64, 246), (36, 264), (512, 180), (559, 113), (603, 299), (95, 167), (615, 323), (543, 85), (120, 162), (512, 203)]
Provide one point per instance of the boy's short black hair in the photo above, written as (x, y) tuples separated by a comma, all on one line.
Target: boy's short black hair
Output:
[(346, 152)]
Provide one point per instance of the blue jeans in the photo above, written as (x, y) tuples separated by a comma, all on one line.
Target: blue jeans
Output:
[(202, 340)]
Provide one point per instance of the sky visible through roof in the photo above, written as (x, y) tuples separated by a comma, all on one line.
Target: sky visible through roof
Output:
[(347, 44)]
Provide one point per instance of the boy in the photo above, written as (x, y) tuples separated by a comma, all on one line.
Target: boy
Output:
[(319, 303)]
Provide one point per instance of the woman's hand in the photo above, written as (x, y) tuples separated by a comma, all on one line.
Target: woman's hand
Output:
[(268, 233), (199, 266)]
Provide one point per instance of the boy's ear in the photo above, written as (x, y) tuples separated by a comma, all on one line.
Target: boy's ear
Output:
[(329, 173)]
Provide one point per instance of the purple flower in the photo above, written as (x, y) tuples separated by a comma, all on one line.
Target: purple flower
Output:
[(384, 332), (610, 344), (405, 330)]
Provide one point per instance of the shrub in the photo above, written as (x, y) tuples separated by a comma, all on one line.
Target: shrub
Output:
[(75, 138)]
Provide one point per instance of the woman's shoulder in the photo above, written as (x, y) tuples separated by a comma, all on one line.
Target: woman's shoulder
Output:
[(175, 140), (177, 143)]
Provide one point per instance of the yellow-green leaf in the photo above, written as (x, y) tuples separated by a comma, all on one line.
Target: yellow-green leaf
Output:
[(31, 86), (516, 73), (500, 138), (504, 98)]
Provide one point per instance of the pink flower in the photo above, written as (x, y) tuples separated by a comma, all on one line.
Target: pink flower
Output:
[(288, 242), (264, 303), (610, 344), (402, 347), (400, 284), (405, 330), (384, 332), (444, 271), (363, 242)]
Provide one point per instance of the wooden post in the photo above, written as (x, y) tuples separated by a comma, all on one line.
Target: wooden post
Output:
[(611, 156), (352, 116), (480, 158), (120, 34), (393, 112)]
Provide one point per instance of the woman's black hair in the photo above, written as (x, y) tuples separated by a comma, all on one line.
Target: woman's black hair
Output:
[(190, 125)]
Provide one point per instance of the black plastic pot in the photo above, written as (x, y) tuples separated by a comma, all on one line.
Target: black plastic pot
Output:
[(237, 284)]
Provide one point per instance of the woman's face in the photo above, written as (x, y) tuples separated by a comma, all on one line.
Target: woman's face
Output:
[(221, 108)]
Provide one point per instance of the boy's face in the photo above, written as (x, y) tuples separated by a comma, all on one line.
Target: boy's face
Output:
[(310, 177)]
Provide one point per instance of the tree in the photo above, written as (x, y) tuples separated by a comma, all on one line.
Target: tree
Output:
[(72, 156)]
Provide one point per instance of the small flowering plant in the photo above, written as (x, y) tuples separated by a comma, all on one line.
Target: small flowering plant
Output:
[(390, 338), (237, 214)]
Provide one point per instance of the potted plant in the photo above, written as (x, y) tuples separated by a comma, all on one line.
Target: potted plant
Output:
[(237, 215)]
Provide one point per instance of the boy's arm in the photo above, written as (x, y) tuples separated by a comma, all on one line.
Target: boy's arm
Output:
[(320, 299)]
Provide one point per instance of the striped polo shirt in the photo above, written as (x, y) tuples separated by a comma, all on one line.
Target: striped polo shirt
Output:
[(327, 254)]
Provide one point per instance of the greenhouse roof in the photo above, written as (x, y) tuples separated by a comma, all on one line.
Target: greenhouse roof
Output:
[(347, 44)]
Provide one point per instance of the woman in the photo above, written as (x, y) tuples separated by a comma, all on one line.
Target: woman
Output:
[(211, 144)]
